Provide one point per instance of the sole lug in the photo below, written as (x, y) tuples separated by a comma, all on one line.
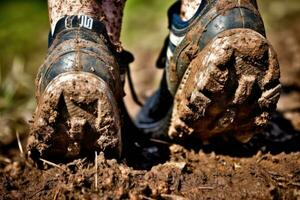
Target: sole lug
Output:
[(76, 115), (230, 88)]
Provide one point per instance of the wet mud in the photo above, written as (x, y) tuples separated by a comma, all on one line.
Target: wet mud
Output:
[(267, 167), (186, 174), (227, 87)]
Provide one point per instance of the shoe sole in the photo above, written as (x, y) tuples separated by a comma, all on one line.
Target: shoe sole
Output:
[(229, 89), (76, 115)]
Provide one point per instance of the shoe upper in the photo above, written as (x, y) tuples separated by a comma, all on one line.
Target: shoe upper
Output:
[(185, 41), (187, 38), (76, 48)]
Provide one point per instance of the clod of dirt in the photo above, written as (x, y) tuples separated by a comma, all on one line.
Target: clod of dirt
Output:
[(187, 174)]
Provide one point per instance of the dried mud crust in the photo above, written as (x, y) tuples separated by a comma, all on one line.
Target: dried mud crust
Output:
[(230, 88), (186, 175), (76, 115)]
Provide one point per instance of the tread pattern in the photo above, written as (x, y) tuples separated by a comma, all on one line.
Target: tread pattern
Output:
[(229, 89), (76, 115)]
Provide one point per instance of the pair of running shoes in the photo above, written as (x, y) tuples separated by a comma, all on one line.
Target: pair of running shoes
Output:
[(221, 79)]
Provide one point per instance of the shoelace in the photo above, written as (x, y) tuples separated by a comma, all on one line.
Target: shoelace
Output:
[(124, 59)]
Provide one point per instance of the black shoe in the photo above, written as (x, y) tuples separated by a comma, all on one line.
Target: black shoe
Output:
[(79, 92), (221, 75)]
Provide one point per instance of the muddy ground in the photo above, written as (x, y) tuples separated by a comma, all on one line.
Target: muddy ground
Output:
[(268, 167)]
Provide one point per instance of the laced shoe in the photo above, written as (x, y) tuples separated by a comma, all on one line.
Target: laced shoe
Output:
[(78, 91), (221, 75)]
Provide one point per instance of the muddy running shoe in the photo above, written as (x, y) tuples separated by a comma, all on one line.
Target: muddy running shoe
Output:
[(221, 75), (78, 92)]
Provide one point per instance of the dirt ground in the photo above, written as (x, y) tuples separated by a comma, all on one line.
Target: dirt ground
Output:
[(268, 167)]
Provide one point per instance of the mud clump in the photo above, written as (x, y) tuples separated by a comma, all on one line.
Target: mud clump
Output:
[(187, 174), (77, 114)]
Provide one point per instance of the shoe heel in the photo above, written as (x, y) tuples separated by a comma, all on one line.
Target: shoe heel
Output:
[(76, 115)]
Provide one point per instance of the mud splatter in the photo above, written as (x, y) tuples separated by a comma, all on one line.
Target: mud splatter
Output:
[(231, 81)]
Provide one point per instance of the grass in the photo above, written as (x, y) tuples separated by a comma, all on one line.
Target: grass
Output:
[(145, 23), (279, 13)]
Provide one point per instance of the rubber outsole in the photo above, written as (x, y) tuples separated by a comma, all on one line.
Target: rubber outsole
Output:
[(229, 89), (76, 115)]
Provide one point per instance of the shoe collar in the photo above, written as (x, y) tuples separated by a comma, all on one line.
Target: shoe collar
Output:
[(179, 26), (77, 21)]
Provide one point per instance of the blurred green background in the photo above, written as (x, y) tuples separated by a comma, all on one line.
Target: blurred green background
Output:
[(23, 43)]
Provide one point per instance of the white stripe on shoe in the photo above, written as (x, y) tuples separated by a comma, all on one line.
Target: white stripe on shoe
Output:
[(175, 40)]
